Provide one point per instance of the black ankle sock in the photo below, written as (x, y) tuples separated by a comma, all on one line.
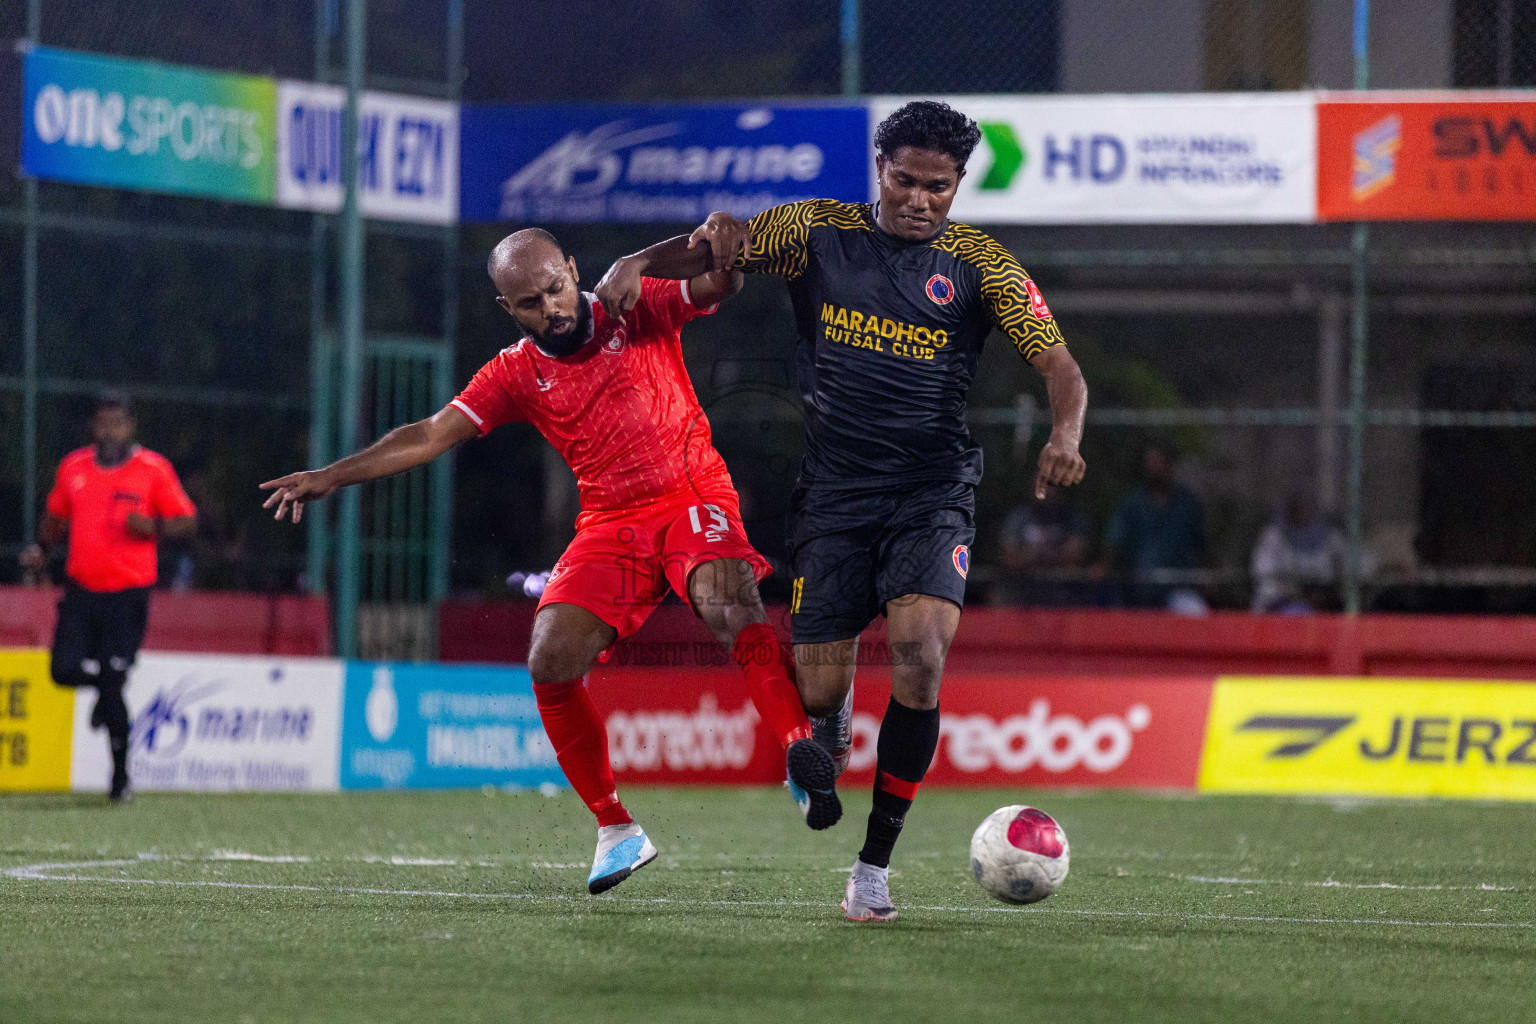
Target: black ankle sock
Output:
[(113, 711), (908, 739)]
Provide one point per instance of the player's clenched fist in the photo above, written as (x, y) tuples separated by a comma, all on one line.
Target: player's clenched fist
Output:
[(726, 237), (1060, 466), (294, 490)]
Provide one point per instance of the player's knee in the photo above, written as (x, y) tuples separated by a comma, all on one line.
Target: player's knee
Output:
[(917, 669), (558, 660), (68, 672)]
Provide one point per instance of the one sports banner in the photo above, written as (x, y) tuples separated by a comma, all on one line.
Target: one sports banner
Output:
[(220, 722), (97, 120), (1427, 156), (1371, 737), (1149, 159), (443, 727), (670, 164), (407, 153)]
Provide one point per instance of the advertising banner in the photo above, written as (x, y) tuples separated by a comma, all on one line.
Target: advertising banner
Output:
[(407, 153), (668, 164), (36, 720), (135, 124), (700, 727), (1155, 159), (1371, 738), (1426, 157), (443, 727), (206, 722)]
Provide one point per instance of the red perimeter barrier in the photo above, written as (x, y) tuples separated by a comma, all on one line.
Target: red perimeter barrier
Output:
[(1089, 642), (215, 623), (699, 728)]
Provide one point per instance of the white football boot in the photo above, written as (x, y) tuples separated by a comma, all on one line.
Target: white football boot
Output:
[(621, 851), (868, 896)]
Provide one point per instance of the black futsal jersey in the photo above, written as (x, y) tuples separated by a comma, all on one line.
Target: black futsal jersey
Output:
[(890, 332)]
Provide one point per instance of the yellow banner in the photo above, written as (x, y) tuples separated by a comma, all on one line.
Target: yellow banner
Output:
[(36, 720), (1377, 737)]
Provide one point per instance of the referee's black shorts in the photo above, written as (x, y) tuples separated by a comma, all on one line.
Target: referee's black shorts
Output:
[(854, 551), (102, 627)]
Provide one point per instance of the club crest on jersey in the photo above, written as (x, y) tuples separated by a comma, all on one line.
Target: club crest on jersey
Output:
[(615, 343), (940, 289), (1037, 304), (962, 559)]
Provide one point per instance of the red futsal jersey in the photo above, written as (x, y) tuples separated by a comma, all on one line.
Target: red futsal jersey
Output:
[(95, 501), (621, 410), (656, 499)]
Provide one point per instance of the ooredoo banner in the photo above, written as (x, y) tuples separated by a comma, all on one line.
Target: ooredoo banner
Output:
[(701, 727), (1371, 737), (643, 163), (136, 124), (1436, 156), (204, 722), (1156, 159)]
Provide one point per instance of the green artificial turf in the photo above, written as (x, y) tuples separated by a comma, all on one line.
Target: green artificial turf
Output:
[(480, 912)]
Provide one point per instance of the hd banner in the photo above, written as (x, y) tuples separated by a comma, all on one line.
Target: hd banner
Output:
[(1154, 159), (639, 163), (1434, 156), (407, 153), (96, 120)]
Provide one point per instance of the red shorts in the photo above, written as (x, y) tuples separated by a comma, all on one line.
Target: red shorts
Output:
[(621, 563)]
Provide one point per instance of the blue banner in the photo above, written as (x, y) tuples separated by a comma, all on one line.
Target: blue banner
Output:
[(657, 164), (442, 727)]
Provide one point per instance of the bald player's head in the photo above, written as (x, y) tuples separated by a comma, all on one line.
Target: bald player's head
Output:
[(537, 283)]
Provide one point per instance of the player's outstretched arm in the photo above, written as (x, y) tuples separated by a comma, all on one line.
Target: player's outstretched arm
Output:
[(1060, 463), (712, 248), (397, 451)]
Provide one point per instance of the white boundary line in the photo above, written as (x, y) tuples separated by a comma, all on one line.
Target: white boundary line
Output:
[(1331, 884), (44, 873)]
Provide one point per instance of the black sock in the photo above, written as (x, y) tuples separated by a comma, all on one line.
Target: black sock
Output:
[(113, 711), (908, 739)]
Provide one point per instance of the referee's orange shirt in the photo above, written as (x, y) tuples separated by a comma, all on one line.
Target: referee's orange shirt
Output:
[(96, 501)]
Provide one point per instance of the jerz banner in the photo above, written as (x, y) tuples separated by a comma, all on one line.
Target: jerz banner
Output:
[(1146, 159), (641, 163), (1427, 156), (407, 153), (97, 120)]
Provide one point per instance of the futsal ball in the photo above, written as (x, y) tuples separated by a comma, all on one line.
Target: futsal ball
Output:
[(1019, 854)]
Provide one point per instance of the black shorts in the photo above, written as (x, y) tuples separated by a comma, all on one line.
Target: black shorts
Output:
[(106, 628), (855, 551)]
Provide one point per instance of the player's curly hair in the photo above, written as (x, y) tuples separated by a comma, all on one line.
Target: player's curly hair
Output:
[(928, 124)]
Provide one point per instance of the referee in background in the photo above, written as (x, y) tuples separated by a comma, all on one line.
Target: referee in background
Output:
[(114, 501)]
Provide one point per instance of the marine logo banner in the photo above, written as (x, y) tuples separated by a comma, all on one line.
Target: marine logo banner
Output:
[(639, 163), (134, 124), (1371, 738)]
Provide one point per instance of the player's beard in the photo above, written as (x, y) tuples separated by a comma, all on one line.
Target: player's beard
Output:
[(565, 343)]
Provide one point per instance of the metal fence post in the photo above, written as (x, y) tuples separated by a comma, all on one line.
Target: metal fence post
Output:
[(440, 515), (322, 384), (1358, 349), (349, 525), (29, 326), (852, 59)]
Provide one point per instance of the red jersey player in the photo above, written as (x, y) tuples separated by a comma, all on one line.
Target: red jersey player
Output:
[(658, 510)]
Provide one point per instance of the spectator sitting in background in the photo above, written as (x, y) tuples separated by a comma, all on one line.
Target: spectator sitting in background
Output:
[(1158, 526), (1050, 534), (1297, 562)]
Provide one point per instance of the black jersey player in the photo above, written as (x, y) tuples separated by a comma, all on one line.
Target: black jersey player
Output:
[(892, 302)]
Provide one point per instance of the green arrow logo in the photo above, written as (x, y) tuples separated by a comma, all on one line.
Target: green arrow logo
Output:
[(1007, 154)]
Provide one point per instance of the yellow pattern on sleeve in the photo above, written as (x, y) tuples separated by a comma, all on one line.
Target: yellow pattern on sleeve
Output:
[(1004, 288), (781, 234)]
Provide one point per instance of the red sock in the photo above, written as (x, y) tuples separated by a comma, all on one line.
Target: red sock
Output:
[(765, 663), (580, 740)]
